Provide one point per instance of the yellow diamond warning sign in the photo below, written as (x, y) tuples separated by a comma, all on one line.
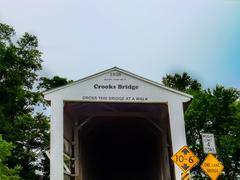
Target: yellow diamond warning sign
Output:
[(212, 167), (185, 159)]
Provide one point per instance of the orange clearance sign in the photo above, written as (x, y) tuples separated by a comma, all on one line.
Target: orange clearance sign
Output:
[(212, 167), (185, 159)]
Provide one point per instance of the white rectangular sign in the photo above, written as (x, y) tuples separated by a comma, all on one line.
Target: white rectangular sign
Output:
[(208, 143)]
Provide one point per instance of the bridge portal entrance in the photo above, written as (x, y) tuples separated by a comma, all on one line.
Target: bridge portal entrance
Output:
[(115, 125)]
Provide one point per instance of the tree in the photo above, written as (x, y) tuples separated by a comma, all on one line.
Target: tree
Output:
[(5, 172), (49, 83), (28, 131), (181, 82), (214, 111)]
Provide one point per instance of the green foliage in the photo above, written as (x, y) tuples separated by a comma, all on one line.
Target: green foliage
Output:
[(54, 82), (214, 111), (5, 172), (181, 82), (28, 131)]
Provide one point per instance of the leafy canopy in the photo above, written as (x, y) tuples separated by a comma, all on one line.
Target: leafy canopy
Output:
[(181, 82), (28, 131), (5, 172), (49, 83)]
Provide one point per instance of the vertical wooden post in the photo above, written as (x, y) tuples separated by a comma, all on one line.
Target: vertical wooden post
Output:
[(177, 125), (76, 155), (56, 141)]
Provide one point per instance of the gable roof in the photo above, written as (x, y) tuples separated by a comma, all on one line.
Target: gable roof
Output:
[(124, 72)]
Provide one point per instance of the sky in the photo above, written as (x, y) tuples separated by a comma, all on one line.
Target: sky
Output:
[(150, 38)]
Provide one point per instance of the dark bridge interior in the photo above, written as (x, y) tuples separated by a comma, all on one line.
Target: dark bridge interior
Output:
[(120, 148), (119, 141)]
